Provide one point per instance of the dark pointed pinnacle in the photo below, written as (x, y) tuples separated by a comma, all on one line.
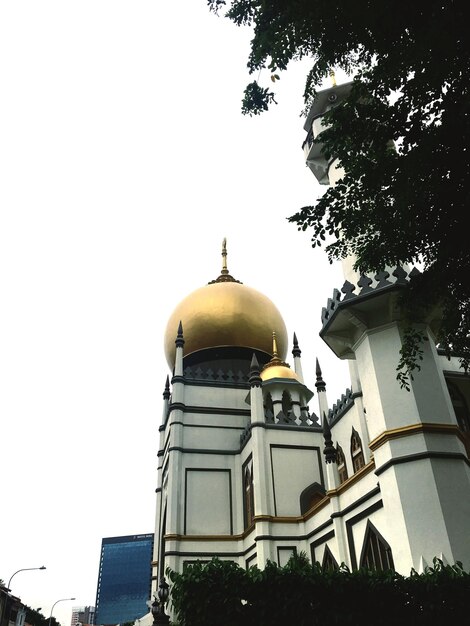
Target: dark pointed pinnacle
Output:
[(255, 378), (166, 393), (296, 350), (179, 341), (414, 272), (364, 283), (381, 278), (320, 384), (400, 275), (336, 295), (329, 450), (348, 289)]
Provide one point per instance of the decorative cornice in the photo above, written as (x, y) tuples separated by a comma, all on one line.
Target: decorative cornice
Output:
[(175, 537), (420, 456), (342, 405), (218, 452), (180, 406), (294, 426), (367, 496), (414, 429), (399, 278), (217, 426), (208, 553), (207, 376)]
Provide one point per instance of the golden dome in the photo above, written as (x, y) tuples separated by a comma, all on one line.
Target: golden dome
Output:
[(225, 313)]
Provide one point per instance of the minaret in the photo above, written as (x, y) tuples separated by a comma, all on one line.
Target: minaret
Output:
[(261, 472), (297, 363), (419, 456), (321, 390), (178, 378), (173, 514), (166, 399), (157, 570)]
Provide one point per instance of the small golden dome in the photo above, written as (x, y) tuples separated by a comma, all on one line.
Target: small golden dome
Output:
[(278, 371), (225, 313)]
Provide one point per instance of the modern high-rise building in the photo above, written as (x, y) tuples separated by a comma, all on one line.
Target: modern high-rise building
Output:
[(84, 615), (124, 579)]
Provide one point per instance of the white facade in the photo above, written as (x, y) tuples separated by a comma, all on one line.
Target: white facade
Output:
[(247, 471)]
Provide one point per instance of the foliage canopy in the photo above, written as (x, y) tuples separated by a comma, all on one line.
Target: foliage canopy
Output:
[(402, 136), (36, 618), (221, 592)]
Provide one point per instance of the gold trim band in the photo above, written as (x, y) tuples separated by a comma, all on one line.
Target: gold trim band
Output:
[(414, 429), (365, 469)]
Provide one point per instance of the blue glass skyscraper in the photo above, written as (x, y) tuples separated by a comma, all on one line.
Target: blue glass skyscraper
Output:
[(124, 579)]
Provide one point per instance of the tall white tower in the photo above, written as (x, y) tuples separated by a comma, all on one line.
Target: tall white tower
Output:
[(417, 443)]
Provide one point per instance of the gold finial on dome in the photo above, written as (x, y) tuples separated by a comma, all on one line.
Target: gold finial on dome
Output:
[(275, 360), (224, 277), (333, 77), (274, 345), (276, 367), (224, 256)]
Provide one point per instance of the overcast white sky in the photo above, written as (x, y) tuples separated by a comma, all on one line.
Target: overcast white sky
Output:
[(124, 162)]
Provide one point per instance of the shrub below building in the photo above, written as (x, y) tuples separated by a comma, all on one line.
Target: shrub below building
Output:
[(220, 593)]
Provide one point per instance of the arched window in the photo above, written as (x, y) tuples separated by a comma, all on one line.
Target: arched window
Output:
[(461, 413), (341, 463), (357, 454), (460, 407), (286, 403), (249, 502), (329, 563), (269, 408), (376, 553), (310, 496)]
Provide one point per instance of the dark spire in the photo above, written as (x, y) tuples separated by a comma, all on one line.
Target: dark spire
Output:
[(255, 378), (166, 392), (320, 384), (296, 349), (179, 337), (329, 450)]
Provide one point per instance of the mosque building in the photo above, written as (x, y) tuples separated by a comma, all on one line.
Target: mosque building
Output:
[(254, 464)]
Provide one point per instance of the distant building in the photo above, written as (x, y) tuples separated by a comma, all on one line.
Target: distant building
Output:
[(84, 615), (12, 611), (124, 579)]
